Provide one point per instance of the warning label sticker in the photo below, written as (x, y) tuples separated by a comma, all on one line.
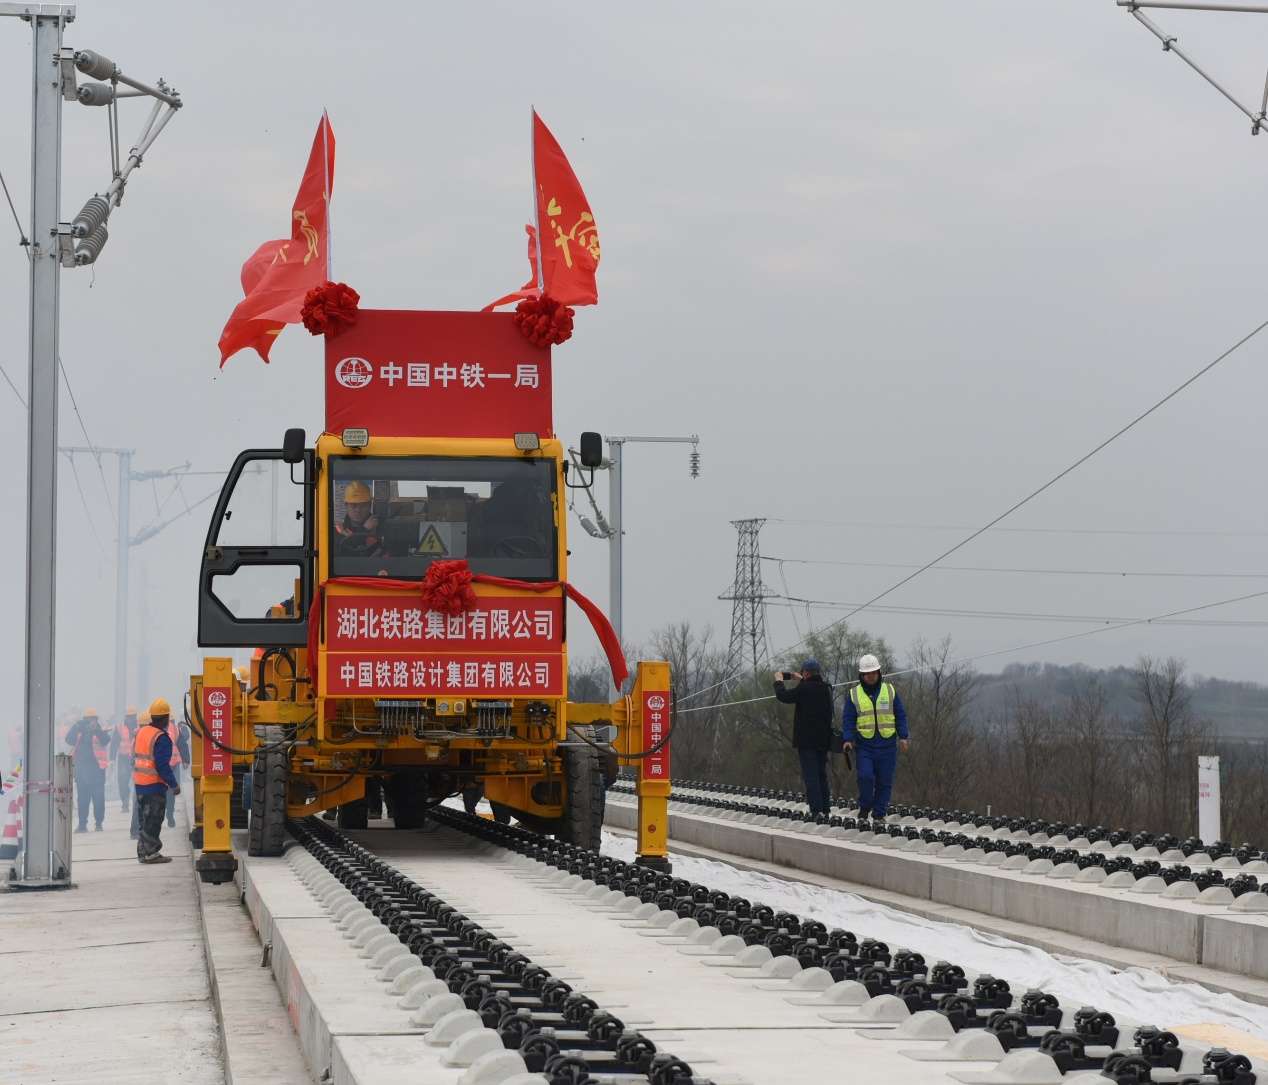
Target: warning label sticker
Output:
[(432, 545)]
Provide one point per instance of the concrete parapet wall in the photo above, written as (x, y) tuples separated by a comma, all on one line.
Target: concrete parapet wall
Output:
[(1236, 944)]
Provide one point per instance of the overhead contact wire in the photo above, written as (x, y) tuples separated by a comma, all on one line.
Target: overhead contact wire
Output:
[(1155, 619), (1036, 492)]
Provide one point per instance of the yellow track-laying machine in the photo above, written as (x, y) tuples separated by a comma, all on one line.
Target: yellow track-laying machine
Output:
[(410, 635)]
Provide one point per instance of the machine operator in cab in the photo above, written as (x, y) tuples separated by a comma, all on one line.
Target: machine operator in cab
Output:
[(359, 533)]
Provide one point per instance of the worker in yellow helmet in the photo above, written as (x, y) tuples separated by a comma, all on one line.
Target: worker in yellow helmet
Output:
[(358, 533), (121, 753), (153, 777), (142, 721), (90, 746)]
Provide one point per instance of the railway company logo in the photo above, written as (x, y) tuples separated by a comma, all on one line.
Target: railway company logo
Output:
[(217, 698), (656, 702), (354, 372)]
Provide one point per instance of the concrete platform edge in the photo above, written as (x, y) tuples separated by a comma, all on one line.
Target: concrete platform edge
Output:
[(240, 1048)]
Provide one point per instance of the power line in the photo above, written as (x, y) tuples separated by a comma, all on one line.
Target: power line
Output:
[(1009, 569), (794, 601), (883, 525), (1061, 474), (9, 381), (92, 526), (1033, 493), (22, 238), (87, 440), (1155, 620)]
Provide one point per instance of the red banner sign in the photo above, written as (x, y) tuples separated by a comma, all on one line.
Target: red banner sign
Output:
[(217, 712), (655, 728), (510, 624), (467, 674), (401, 373)]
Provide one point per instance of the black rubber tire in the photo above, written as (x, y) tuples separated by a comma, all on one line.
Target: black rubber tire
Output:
[(582, 823), (266, 823), (374, 795), (407, 798), (237, 811), (353, 815)]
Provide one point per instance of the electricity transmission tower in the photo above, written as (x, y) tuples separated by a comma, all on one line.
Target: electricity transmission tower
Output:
[(748, 595)]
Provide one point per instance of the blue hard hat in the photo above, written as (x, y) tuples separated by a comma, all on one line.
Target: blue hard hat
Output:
[(812, 666)]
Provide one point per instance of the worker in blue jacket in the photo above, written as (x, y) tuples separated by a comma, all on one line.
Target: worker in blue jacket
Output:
[(153, 779), (874, 726)]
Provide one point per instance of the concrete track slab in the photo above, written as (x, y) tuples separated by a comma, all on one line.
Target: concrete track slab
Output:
[(730, 1030)]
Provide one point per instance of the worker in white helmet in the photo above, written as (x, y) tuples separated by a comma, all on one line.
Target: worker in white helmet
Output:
[(874, 725)]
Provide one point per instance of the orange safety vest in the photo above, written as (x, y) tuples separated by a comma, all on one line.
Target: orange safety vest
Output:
[(143, 770), (173, 732), (126, 731), (101, 752)]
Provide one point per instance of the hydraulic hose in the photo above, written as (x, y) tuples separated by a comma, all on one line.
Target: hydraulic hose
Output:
[(200, 729)]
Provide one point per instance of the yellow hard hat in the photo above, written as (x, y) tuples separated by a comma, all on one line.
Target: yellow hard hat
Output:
[(90, 713), (356, 492), (159, 707), (131, 710), (243, 672)]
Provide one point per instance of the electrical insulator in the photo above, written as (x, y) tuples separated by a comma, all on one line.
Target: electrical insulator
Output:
[(695, 462), (87, 251), (94, 65), (93, 214), (95, 94)]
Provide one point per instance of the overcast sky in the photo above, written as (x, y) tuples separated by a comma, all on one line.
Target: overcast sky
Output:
[(896, 264)]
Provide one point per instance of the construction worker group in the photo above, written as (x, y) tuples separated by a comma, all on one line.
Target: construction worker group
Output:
[(873, 729), (149, 750)]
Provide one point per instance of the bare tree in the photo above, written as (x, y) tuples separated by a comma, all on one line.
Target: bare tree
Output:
[(588, 680), (696, 666), (1170, 738), (1023, 781), (1087, 729), (939, 768)]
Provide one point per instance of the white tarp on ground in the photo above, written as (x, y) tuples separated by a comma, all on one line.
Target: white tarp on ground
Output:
[(1137, 994)]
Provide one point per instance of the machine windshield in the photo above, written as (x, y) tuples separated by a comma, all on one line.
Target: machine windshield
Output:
[(394, 516)]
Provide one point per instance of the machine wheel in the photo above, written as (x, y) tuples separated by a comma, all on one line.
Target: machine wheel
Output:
[(407, 799), (237, 805), (353, 815), (582, 823), (266, 822)]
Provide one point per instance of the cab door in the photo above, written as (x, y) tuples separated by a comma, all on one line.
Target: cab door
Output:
[(256, 582)]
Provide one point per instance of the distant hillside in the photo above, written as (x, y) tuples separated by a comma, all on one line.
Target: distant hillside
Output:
[(1239, 710)]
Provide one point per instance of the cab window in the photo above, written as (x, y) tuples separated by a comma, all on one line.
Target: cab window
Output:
[(394, 516)]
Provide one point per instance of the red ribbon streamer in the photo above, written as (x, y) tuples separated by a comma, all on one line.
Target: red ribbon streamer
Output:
[(598, 620)]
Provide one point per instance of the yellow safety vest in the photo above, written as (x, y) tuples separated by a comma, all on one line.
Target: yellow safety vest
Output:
[(878, 715)]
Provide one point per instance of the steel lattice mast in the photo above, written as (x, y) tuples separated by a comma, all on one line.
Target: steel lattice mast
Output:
[(748, 595)]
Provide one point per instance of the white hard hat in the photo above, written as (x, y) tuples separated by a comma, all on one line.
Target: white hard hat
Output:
[(868, 664)]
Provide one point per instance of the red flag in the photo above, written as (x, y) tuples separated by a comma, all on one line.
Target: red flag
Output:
[(279, 273), (568, 252)]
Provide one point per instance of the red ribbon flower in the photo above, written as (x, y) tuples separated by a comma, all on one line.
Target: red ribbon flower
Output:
[(543, 321), (330, 308), (447, 587)]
